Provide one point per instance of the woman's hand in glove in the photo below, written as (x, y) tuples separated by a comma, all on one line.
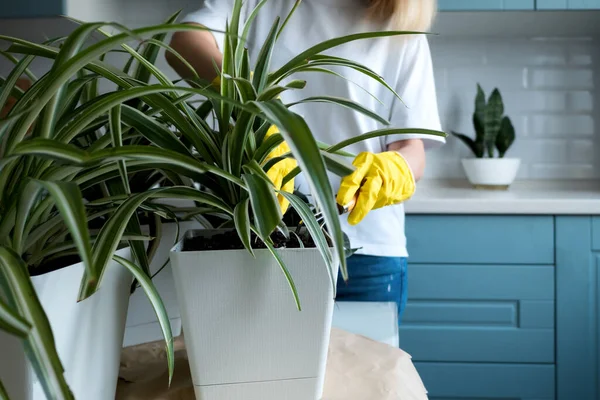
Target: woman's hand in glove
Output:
[(380, 180)]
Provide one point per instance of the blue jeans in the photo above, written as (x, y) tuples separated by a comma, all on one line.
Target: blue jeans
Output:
[(372, 278)]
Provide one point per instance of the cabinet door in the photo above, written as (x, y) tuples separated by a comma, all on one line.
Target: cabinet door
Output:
[(568, 4), (577, 305), (32, 8), (479, 313), (480, 5)]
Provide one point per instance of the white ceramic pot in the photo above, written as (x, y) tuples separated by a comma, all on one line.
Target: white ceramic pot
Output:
[(245, 338), (492, 173), (88, 334)]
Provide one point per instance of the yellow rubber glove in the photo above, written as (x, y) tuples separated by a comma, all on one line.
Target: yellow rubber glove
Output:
[(380, 180), (279, 171)]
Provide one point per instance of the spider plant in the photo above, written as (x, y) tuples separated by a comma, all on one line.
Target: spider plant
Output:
[(155, 132)]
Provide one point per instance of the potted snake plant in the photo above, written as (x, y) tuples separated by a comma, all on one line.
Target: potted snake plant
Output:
[(63, 294), (224, 171), (494, 135)]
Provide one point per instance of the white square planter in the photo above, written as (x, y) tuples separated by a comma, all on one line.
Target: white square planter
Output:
[(245, 338), (88, 334)]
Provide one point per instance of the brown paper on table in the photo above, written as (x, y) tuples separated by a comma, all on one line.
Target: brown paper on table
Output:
[(358, 368)]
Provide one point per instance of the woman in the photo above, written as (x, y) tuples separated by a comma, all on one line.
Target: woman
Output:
[(387, 168)]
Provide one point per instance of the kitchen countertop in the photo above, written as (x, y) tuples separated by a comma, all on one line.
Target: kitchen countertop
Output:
[(523, 197)]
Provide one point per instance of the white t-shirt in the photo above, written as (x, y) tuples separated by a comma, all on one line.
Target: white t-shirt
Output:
[(405, 63)]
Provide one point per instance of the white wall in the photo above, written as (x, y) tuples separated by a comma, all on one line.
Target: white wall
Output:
[(550, 86)]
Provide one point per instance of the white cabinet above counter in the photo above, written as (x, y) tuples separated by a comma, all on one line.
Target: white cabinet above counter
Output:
[(523, 197)]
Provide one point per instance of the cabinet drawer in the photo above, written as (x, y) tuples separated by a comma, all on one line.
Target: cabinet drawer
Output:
[(480, 239), (479, 313), (488, 381)]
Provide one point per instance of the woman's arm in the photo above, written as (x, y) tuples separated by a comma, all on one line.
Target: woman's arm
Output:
[(199, 48), (413, 151)]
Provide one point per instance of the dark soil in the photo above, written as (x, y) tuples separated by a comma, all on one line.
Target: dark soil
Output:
[(54, 265), (231, 241)]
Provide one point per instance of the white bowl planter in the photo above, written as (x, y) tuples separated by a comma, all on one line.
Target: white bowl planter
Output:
[(245, 338), (491, 173), (88, 334)]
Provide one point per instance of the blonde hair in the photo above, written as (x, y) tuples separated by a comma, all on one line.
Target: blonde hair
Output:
[(405, 15)]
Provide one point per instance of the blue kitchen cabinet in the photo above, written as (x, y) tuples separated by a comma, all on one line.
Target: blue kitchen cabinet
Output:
[(578, 307), (485, 5), (568, 4), (480, 319), (32, 8)]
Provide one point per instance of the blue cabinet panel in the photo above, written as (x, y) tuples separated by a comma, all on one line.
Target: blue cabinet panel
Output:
[(472, 5), (568, 4), (596, 233), (445, 381), (551, 4), (577, 308), (32, 8), (480, 313), (473, 239)]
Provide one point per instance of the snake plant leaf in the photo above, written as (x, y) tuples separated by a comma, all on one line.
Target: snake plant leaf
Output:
[(344, 103), (384, 132), (237, 142), (239, 51), (152, 129), (286, 272), (265, 207), (72, 66), (337, 165), (151, 51), (234, 28), (305, 149), (493, 121), (313, 227), (263, 61), (319, 61), (158, 306), (69, 201), (68, 50), (470, 143), (15, 61), (116, 134), (309, 53), (241, 217), (12, 322), (274, 91), (289, 17), (479, 114), (11, 81), (3, 392), (506, 136), (245, 89), (39, 344), (152, 155), (267, 146), (108, 238)]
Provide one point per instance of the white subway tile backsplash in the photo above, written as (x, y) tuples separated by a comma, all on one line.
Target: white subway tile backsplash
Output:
[(550, 90), (560, 125), (561, 78), (581, 101), (581, 151)]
